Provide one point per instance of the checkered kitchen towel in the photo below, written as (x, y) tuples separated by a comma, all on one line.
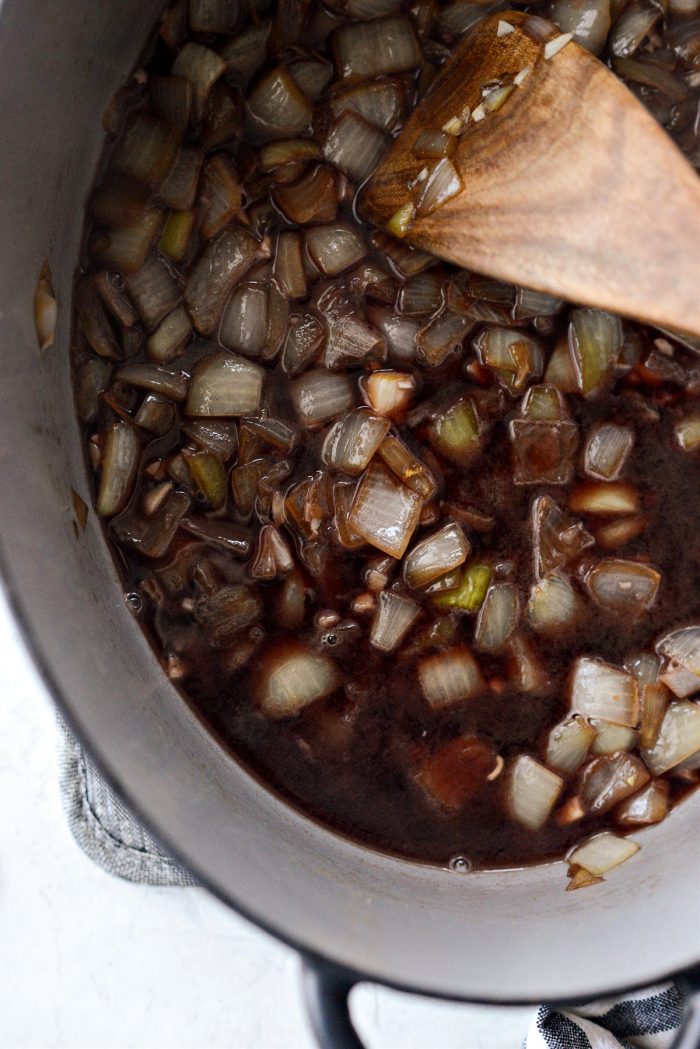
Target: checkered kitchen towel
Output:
[(112, 837)]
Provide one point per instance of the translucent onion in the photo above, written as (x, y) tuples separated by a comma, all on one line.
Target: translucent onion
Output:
[(380, 103), (442, 184), (399, 333), (171, 99), (434, 556), (681, 682), (645, 668), (613, 738), (151, 535), (312, 198), (557, 539), (623, 587), (319, 396), (335, 248), (226, 612), (449, 677), (292, 677), (125, 249), (515, 358), (456, 432), (600, 690), (678, 740), (648, 806), (619, 533), (354, 146), (245, 52), (276, 107), (409, 470), (225, 384), (533, 791), (634, 24), (687, 433), (352, 442), (525, 671), (459, 16), (94, 322), (303, 344), (607, 449), (421, 294), (393, 619), (381, 47), (287, 151), (153, 291), (650, 75), (384, 512), (610, 779), (604, 498), (221, 264), (434, 144), (273, 557), (156, 414), (343, 495), (120, 460), (312, 77), (602, 853), (289, 265), (109, 288), (543, 451), (202, 67), (244, 322), (147, 149), (568, 744), (498, 617), (553, 606), (180, 187), (588, 20), (220, 196), (92, 378), (209, 477), (156, 378), (441, 337), (595, 339), (388, 392), (213, 16), (219, 435), (682, 647), (223, 117), (529, 303), (544, 404), (560, 369)]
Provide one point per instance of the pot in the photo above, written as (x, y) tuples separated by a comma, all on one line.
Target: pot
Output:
[(499, 937)]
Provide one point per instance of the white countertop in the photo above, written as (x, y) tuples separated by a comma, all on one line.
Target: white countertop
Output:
[(88, 960)]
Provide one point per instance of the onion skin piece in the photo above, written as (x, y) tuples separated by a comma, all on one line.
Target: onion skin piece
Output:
[(120, 460)]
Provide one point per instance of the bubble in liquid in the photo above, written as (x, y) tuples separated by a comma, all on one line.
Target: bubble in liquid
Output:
[(460, 865), (135, 602)]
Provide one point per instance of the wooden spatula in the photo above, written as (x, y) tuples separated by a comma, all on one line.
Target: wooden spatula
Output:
[(564, 184)]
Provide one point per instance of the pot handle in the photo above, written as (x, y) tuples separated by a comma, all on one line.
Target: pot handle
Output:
[(689, 1035), (326, 992)]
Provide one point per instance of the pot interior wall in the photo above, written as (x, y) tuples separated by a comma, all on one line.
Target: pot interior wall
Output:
[(506, 936)]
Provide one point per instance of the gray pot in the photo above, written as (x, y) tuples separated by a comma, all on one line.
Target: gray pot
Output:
[(510, 936)]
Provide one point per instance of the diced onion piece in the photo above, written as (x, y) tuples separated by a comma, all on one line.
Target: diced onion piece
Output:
[(441, 337), (312, 198), (554, 46), (393, 619), (276, 107), (351, 342), (92, 318), (524, 668), (560, 369), (221, 264), (449, 677), (244, 322), (645, 668), (455, 433), (335, 248), (607, 450), (154, 292), (312, 77), (454, 773), (602, 853), (147, 149), (220, 195), (496, 96), (595, 338), (92, 378), (343, 495), (648, 806), (245, 52), (352, 442), (354, 146), (598, 497), (379, 102), (422, 294), (553, 606), (380, 47), (152, 534), (273, 557), (588, 20), (319, 396), (399, 333), (600, 690), (154, 377), (213, 16), (289, 265), (687, 432), (634, 24), (109, 288), (504, 28), (515, 358), (557, 539), (209, 477), (388, 392), (434, 556), (218, 435), (288, 151), (171, 99), (543, 404), (409, 470), (470, 593), (180, 188), (623, 587), (120, 460), (434, 144), (442, 184), (651, 75), (543, 451), (582, 879), (678, 740), (289, 679), (384, 512), (303, 344), (680, 681), (612, 738), (568, 743), (177, 231), (609, 779), (618, 533), (225, 384), (682, 647), (400, 222), (498, 617), (202, 67), (533, 790)]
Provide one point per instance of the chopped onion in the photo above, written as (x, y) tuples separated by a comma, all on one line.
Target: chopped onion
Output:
[(312, 77), (421, 294), (202, 67), (498, 617), (610, 779), (434, 556), (678, 740), (455, 433), (434, 144), (223, 117), (312, 198), (244, 485), (682, 647), (393, 619), (319, 396), (154, 291), (92, 378), (640, 72), (514, 357), (180, 188), (151, 535), (288, 151), (213, 16), (289, 265), (156, 378), (388, 392), (681, 682), (595, 339), (459, 16), (533, 790), (553, 606), (156, 414), (634, 24), (557, 539), (245, 52), (384, 512), (111, 291), (449, 677), (554, 46), (120, 460), (352, 442), (221, 264), (602, 853), (525, 670), (618, 533), (613, 738), (645, 668), (276, 107), (561, 371), (125, 249), (442, 184), (351, 342), (94, 322), (119, 202), (409, 470), (587, 20), (147, 149), (244, 322), (600, 690), (177, 232), (218, 435), (687, 433), (354, 146), (303, 345), (380, 103), (225, 384), (380, 47), (343, 495), (440, 338), (273, 556), (543, 452), (292, 677), (649, 805), (221, 195), (568, 744), (607, 450), (335, 248), (623, 587), (601, 498), (209, 477), (171, 99), (399, 333)]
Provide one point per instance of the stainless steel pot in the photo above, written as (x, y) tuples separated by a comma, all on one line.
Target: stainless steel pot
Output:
[(511, 936)]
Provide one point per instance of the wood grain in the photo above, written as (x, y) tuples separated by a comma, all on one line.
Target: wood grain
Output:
[(570, 188)]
